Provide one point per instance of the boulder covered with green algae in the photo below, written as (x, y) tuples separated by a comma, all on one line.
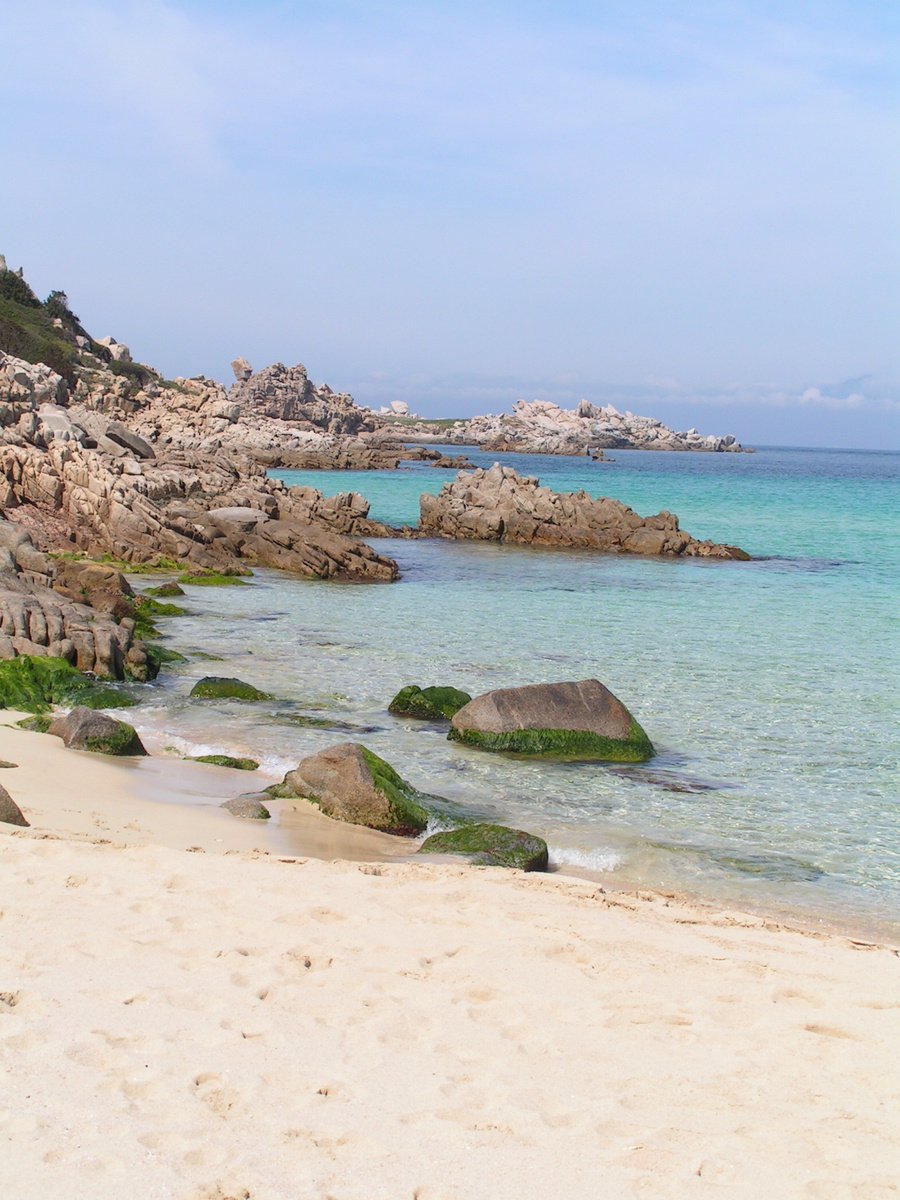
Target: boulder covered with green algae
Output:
[(219, 687), (577, 721), (226, 760), (86, 729), (428, 704), (33, 684), (491, 846), (350, 783)]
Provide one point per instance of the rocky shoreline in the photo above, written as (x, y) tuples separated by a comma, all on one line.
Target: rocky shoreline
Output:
[(101, 458), (540, 427)]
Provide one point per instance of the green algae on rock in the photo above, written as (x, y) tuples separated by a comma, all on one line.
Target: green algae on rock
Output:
[(159, 655), (428, 704), (218, 687), (575, 721), (226, 760), (251, 808), (165, 589), (38, 724), (491, 846), (85, 729), (350, 783), (33, 684)]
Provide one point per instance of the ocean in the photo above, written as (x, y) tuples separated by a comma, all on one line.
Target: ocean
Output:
[(769, 688)]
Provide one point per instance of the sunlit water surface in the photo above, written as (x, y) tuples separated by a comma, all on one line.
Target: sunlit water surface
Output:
[(769, 688)]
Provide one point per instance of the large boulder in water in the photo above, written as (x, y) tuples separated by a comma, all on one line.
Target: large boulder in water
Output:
[(350, 783), (582, 720)]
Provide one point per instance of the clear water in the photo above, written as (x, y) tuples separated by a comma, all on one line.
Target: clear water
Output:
[(769, 688)]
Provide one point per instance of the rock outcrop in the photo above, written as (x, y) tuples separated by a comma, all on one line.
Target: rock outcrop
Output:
[(577, 721), (497, 505), (114, 493), (63, 610), (540, 427), (350, 783)]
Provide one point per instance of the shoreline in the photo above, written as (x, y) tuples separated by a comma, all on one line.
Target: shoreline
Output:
[(175, 803), (208, 1018)]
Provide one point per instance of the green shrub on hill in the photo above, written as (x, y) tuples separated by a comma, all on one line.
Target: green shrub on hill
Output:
[(28, 332)]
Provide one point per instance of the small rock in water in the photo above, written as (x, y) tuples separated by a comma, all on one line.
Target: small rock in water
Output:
[(428, 704), (218, 687)]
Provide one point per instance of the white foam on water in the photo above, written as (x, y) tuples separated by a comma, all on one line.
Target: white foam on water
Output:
[(588, 860)]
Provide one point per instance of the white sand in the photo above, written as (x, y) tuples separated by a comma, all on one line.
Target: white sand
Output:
[(196, 1026)]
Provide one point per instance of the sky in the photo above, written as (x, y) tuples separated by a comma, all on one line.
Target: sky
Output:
[(688, 210)]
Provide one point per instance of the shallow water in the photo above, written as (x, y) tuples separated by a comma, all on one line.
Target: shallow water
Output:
[(769, 688)]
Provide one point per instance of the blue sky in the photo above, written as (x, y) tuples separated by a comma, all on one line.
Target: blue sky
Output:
[(688, 210)]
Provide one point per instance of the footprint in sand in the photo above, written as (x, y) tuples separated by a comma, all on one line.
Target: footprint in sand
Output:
[(216, 1094)]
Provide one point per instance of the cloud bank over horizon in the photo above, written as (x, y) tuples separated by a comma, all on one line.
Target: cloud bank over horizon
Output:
[(691, 213)]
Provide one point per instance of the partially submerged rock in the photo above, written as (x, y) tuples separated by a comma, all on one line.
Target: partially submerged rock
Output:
[(165, 589), (226, 760), (10, 813), (428, 704), (491, 846), (249, 807), (85, 729), (498, 505), (350, 783), (578, 721), (218, 687)]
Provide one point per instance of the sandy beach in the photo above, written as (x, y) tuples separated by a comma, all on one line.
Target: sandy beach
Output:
[(189, 1012)]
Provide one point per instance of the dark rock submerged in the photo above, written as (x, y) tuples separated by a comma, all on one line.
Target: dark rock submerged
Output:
[(571, 720)]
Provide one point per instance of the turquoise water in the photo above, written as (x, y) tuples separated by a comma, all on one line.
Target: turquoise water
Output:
[(769, 687)]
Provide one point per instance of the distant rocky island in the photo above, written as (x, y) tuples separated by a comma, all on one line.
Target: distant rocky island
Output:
[(539, 427), (101, 458)]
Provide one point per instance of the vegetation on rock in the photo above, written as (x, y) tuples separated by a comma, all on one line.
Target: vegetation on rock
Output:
[(491, 846), (33, 684), (404, 801), (226, 760), (428, 704), (564, 744), (218, 687)]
